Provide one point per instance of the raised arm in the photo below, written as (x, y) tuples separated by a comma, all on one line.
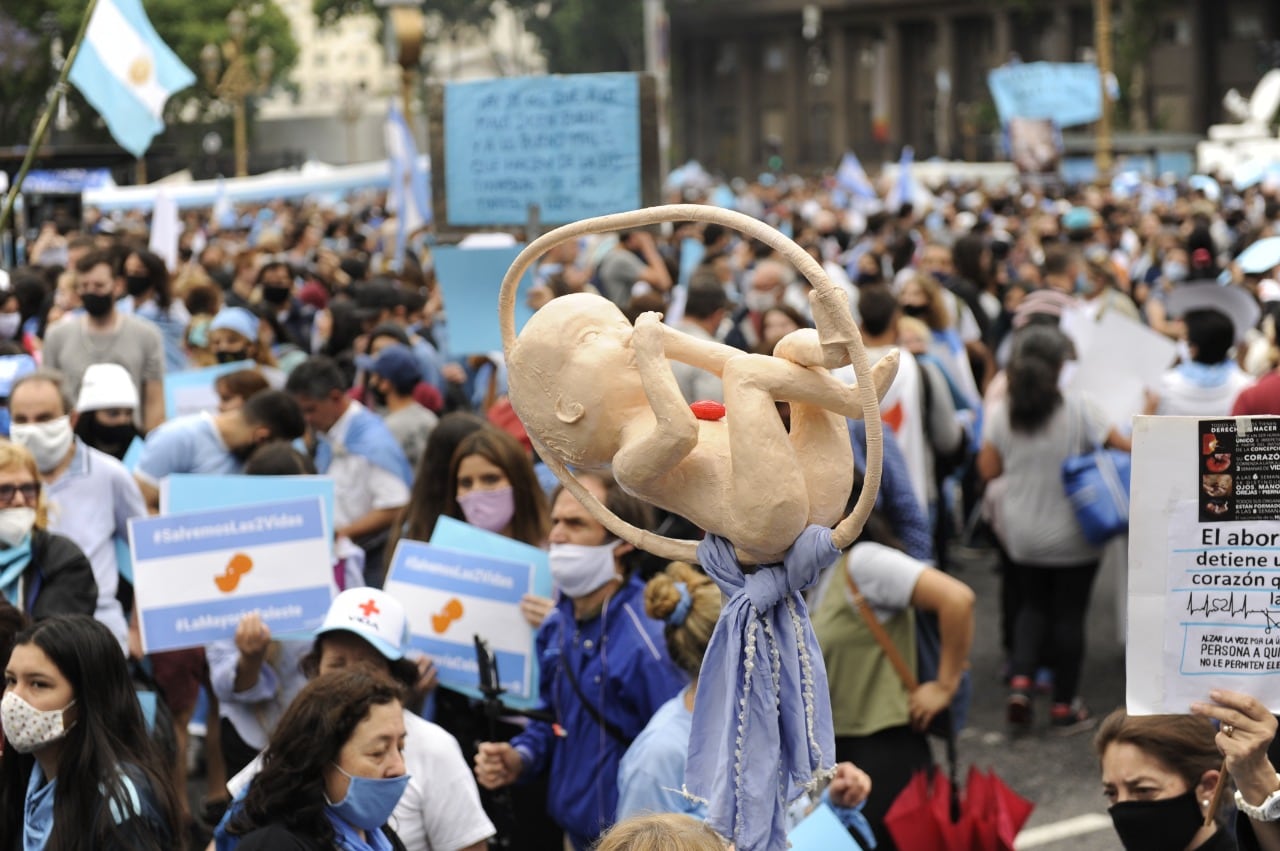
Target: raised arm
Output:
[(675, 434)]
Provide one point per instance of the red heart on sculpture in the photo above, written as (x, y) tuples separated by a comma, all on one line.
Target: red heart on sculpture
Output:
[(706, 410)]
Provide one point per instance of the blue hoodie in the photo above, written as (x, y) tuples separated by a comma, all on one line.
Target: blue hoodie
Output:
[(620, 661)]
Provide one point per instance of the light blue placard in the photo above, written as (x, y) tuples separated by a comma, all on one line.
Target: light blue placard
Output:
[(1070, 93), (457, 535), (821, 831), (176, 535), (691, 253), (470, 279), (570, 144), (133, 453), (192, 391), (452, 596), (198, 574), (184, 492)]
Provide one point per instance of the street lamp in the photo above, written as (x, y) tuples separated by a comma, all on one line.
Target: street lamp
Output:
[(405, 27), (231, 75)]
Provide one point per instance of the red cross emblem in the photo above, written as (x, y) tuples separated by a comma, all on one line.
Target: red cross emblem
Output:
[(370, 608)]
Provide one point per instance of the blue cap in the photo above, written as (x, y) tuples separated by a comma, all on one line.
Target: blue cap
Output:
[(237, 319), (396, 363)]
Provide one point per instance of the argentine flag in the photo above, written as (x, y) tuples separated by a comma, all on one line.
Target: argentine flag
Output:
[(127, 73), (852, 178), (409, 192)]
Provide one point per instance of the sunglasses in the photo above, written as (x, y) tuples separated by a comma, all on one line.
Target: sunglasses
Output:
[(30, 493)]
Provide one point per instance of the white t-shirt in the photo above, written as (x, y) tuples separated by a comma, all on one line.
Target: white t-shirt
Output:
[(440, 809), (902, 410)]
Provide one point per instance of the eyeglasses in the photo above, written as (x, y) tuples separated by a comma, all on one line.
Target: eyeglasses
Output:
[(30, 493)]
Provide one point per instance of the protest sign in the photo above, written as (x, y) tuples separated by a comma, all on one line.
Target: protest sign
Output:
[(577, 146), (183, 492), (452, 597), (821, 830), (192, 391), (469, 282), (1204, 561), (196, 575), (1068, 93), (1118, 358)]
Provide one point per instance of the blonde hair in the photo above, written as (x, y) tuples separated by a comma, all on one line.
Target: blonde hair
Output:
[(686, 639), (663, 832), (14, 455)]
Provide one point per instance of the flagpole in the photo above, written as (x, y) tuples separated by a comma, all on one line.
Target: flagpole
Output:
[(42, 127)]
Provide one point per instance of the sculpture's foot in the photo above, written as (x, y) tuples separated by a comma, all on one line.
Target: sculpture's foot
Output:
[(836, 328)]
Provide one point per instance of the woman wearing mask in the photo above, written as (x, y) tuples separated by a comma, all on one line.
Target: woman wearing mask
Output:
[(924, 298), (1028, 436), (41, 573), (333, 771), (79, 769), (492, 486), (105, 409), (149, 296), (1159, 773), (440, 808), (234, 335)]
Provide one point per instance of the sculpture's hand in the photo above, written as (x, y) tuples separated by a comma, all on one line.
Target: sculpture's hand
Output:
[(649, 334)]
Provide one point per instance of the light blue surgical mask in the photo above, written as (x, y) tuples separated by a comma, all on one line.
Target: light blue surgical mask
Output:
[(369, 802)]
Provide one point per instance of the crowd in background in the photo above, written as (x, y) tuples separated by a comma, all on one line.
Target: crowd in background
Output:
[(353, 370)]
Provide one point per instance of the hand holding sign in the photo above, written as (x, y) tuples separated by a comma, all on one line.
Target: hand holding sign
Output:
[(253, 637), (1252, 729)]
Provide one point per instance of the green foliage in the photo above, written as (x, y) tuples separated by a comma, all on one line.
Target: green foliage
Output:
[(585, 36), (184, 26)]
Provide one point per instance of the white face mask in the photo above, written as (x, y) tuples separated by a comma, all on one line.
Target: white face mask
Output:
[(15, 524), (28, 729), (578, 570), (9, 324), (758, 301), (47, 442)]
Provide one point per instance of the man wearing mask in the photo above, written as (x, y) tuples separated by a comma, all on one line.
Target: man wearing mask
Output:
[(393, 375), (605, 669), (293, 318), (768, 288), (370, 473), (91, 495), (105, 409), (215, 443), (106, 335)]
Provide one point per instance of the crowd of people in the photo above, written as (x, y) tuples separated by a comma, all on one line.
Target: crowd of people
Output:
[(350, 368)]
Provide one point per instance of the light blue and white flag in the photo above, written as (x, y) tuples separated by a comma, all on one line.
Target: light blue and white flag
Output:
[(127, 73), (409, 193), (852, 178), (904, 188)]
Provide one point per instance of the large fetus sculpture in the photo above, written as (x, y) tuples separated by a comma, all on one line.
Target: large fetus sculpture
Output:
[(596, 392)]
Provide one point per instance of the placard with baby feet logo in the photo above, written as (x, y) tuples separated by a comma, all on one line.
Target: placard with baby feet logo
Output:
[(451, 597), (197, 574)]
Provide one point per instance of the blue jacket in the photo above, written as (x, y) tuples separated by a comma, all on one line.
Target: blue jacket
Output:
[(620, 661)]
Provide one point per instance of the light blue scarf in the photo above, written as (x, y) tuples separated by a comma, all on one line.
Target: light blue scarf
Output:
[(13, 562), (762, 731)]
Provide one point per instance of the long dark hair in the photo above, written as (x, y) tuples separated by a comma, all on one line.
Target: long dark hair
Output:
[(105, 750), (1038, 354), (289, 791), (431, 480), (531, 522), (158, 274)]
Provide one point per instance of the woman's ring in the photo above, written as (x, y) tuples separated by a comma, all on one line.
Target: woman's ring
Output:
[(1228, 729)]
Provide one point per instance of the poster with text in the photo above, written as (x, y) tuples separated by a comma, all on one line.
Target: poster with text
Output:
[(1204, 561), (197, 574), (453, 596)]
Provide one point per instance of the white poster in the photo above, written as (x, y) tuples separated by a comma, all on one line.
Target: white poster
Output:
[(1204, 561)]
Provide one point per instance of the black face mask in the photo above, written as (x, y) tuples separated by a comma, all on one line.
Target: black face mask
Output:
[(916, 310), (1157, 825), (97, 305), (232, 357), (113, 440), (137, 284), (379, 398), (276, 295)]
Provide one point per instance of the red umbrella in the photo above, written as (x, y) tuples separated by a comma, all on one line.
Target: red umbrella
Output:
[(991, 814)]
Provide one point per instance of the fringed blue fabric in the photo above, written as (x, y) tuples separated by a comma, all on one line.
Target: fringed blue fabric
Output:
[(762, 730)]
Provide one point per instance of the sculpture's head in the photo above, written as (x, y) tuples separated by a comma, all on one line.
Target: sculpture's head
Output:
[(573, 378)]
